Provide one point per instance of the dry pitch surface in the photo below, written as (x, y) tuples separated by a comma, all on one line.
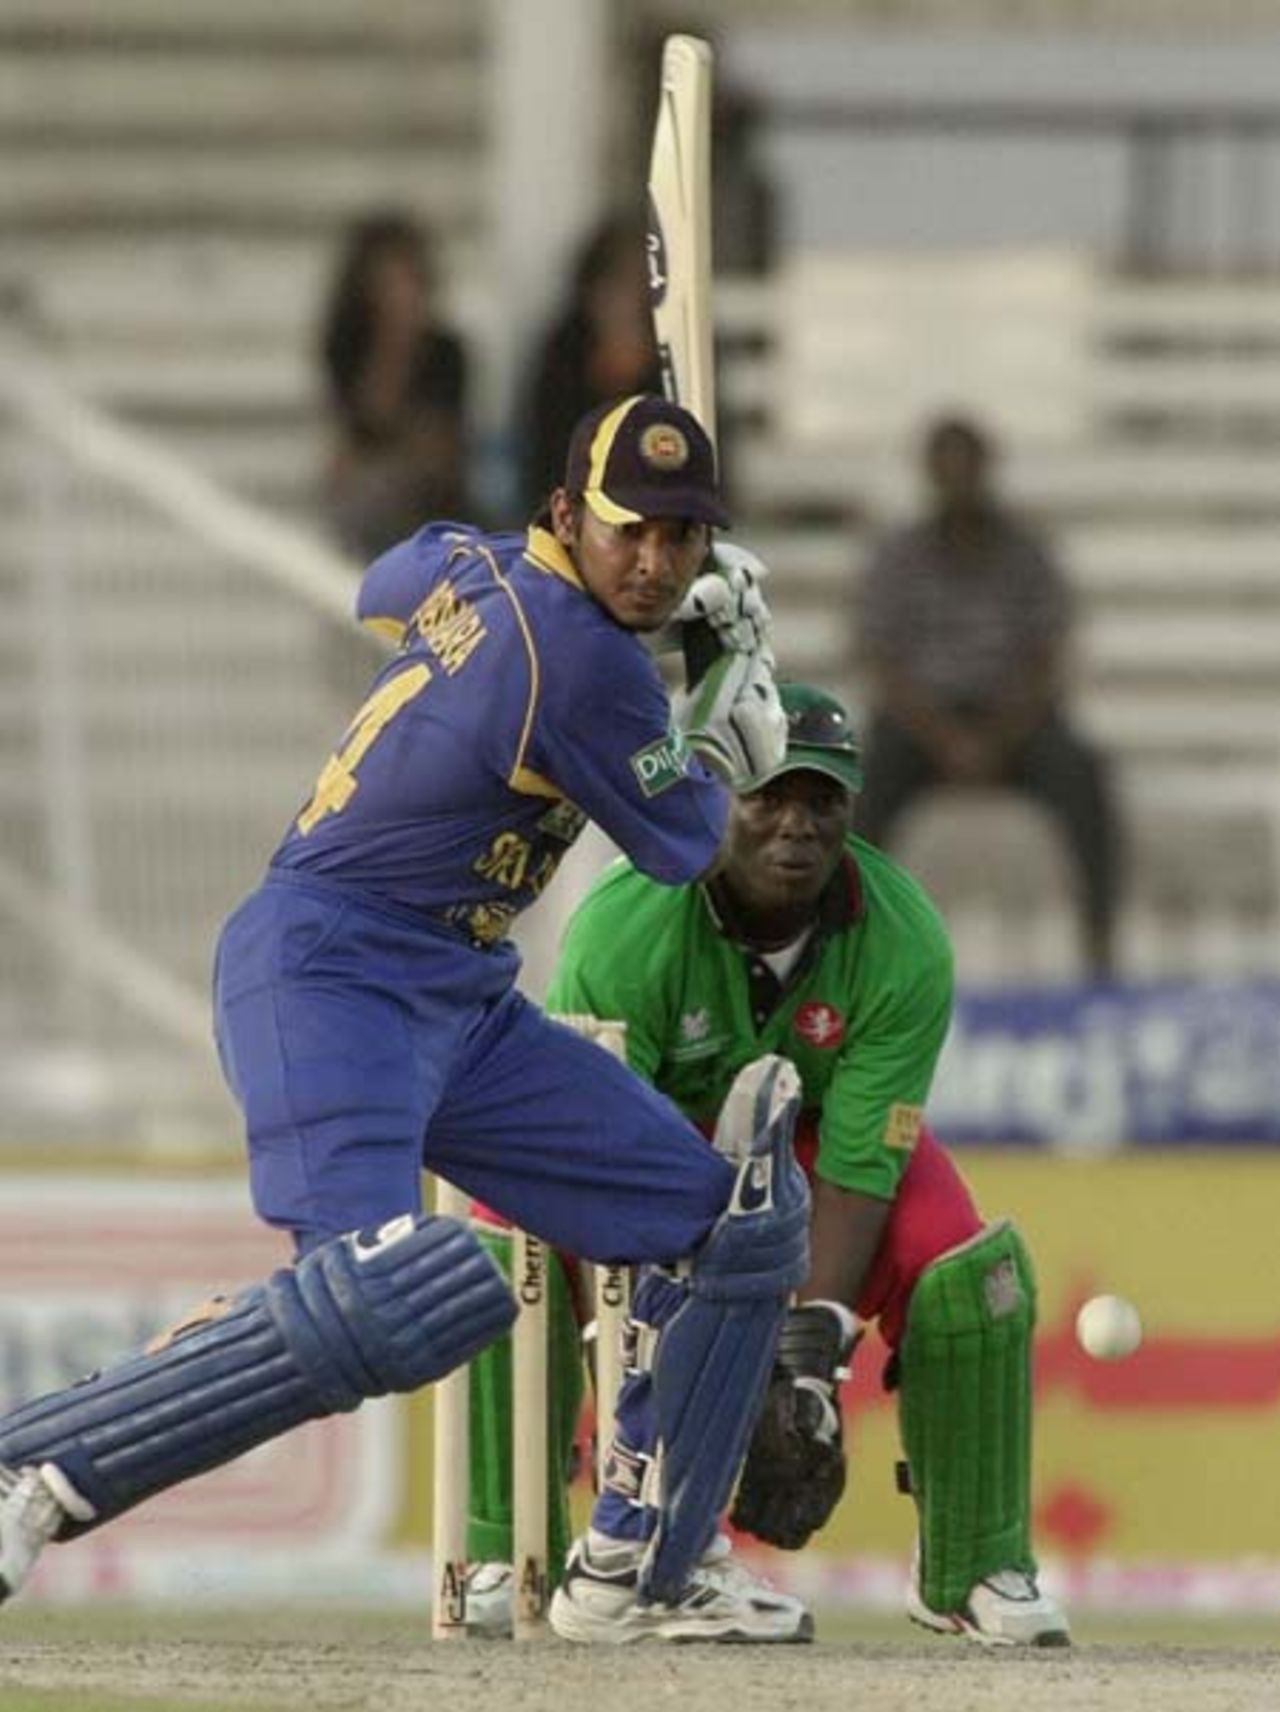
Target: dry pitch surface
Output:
[(133, 1661)]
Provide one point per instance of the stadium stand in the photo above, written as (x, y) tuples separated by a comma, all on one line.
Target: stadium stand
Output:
[(1140, 425), (178, 182)]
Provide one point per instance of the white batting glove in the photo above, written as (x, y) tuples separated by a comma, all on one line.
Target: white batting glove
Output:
[(727, 595), (733, 719)]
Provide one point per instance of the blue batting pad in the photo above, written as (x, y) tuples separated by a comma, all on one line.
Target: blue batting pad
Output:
[(372, 1312), (715, 1353)]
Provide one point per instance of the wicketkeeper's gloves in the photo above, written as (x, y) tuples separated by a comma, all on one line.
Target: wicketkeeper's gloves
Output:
[(794, 1471)]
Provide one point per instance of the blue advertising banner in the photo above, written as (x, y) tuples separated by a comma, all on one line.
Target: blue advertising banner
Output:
[(1095, 1068)]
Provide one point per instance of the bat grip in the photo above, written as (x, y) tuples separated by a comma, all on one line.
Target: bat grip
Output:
[(700, 648)]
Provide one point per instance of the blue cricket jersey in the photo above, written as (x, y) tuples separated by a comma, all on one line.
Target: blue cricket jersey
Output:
[(514, 710)]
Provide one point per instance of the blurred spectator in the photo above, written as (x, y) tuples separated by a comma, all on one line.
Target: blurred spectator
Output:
[(599, 346), (396, 381), (744, 210), (964, 624)]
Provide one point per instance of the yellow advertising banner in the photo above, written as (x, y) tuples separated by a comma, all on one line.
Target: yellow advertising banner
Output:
[(1172, 1454)]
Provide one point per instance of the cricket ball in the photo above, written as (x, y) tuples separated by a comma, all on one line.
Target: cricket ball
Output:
[(1108, 1328)]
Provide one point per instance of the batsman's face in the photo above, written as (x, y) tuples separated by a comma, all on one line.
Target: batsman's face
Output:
[(785, 840), (639, 572)]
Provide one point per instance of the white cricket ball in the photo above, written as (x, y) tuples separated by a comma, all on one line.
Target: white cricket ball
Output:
[(1108, 1328)]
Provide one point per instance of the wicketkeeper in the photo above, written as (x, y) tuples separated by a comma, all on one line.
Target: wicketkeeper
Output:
[(368, 1024), (812, 943)]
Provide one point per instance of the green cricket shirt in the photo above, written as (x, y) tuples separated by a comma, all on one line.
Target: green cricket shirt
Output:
[(863, 1015)]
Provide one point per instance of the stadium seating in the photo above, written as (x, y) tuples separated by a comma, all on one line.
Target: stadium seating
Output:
[(1140, 425), (165, 242)]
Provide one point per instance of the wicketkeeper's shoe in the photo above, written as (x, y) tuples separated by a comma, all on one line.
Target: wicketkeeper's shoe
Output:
[(490, 1600), (30, 1516), (597, 1601), (1006, 1609)]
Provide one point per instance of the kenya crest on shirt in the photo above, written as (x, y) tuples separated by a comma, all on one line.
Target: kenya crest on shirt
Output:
[(819, 1023)]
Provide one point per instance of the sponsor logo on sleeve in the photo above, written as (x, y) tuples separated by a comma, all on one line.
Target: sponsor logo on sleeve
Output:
[(902, 1130), (660, 765)]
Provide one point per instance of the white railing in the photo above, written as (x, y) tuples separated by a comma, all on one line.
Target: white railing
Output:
[(164, 692), (178, 666)]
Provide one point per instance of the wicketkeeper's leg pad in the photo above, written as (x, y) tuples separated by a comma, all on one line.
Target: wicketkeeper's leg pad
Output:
[(965, 1413), (703, 1340), (365, 1314)]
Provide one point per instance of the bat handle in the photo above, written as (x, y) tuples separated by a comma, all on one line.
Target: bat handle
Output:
[(700, 648)]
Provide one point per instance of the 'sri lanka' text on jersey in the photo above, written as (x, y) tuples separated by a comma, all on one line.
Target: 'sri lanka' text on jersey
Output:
[(514, 710), (863, 1015)]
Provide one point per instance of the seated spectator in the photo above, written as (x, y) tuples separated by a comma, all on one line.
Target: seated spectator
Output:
[(964, 623), (396, 381), (599, 347)]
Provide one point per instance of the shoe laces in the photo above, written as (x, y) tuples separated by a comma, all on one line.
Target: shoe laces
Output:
[(1012, 1584), (719, 1566)]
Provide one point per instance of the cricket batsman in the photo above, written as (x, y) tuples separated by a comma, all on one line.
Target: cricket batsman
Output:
[(809, 942), (369, 1025)]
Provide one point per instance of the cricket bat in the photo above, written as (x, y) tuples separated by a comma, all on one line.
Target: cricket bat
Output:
[(679, 228), (678, 251)]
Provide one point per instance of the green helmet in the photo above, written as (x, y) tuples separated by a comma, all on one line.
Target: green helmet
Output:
[(820, 739)]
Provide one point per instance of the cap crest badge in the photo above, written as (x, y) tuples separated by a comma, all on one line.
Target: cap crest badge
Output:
[(663, 447)]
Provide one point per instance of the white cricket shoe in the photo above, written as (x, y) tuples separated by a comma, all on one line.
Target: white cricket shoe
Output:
[(596, 1603), (1006, 1609), (490, 1601), (30, 1516)]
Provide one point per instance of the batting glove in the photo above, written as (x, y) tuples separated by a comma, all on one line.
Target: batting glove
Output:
[(728, 597), (734, 720)]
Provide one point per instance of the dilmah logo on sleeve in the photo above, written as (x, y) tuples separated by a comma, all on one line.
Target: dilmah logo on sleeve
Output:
[(661, 764)]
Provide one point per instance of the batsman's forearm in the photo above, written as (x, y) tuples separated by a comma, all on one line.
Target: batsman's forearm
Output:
[(845, 1232)]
